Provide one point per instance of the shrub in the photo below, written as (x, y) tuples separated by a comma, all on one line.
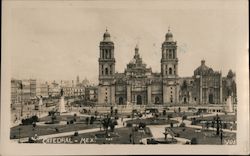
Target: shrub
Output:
[(34, 125), (76, 133), (171, 125), (71, 121), (34, 118), (177, 135), (115, 122), (194, 141), (140, 115), (164, 113), (129, 125), (30, 121), (170, 116), (87, 120), (184, 117), (92, 119), (182, 124), (142, 125), (116, 111)]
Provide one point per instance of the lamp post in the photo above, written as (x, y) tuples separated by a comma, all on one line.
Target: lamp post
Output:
[(19, 132), (217, 124), (221, 136)]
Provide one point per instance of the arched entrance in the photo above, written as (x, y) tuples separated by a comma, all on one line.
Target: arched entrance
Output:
[(138, 100), (157, 100), (185, 100), (210, 98), (120, 100)]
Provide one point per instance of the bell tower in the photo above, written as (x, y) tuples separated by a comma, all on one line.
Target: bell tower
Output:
[(106, 92), (169, 60), (169, 70)]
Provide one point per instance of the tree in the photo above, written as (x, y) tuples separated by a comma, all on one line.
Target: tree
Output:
[(53, 118), (171, 125), (92, 119), (184, 117), (194, 141), (105, 123), (170, 116), (87, 120)]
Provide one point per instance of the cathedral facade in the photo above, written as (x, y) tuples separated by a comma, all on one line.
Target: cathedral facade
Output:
[(138, 85)]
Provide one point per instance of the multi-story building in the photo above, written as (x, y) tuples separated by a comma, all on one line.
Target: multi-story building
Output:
[(28, 89), (91, 93), (139, 85), (15, 91)]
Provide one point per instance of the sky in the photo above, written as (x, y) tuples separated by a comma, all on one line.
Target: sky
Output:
[(59, 40)]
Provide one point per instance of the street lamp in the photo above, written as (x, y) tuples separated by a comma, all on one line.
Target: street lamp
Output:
[(221, 136), (19, 131)]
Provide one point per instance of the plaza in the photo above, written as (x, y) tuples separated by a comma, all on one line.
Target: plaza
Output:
[(137, 125)]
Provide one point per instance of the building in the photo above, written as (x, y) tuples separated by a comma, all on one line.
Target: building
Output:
[(15, 91), (138, 85), (42, 90), (28, 90), (91, 93)]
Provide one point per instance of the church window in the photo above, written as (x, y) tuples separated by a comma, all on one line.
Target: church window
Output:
[(109, 53), (166, 69), (106, 71), (110, 69), (102, 69), (106, 53), (170, 54), (170, 71)]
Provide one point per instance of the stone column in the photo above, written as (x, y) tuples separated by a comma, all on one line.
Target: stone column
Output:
[(201, 90), (112, 94), (220, 89), (149, 94), (128, 93), (164, 90), (177, 94)]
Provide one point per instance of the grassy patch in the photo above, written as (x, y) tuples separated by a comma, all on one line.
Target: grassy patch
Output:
[(151, 121), (119, 136), (204, 136)]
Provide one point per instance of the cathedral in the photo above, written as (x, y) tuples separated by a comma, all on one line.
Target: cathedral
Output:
[(138, 85)]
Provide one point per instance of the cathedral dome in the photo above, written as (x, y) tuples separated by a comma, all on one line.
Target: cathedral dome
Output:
[(106, 36), (169, 36), (203, 69)]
